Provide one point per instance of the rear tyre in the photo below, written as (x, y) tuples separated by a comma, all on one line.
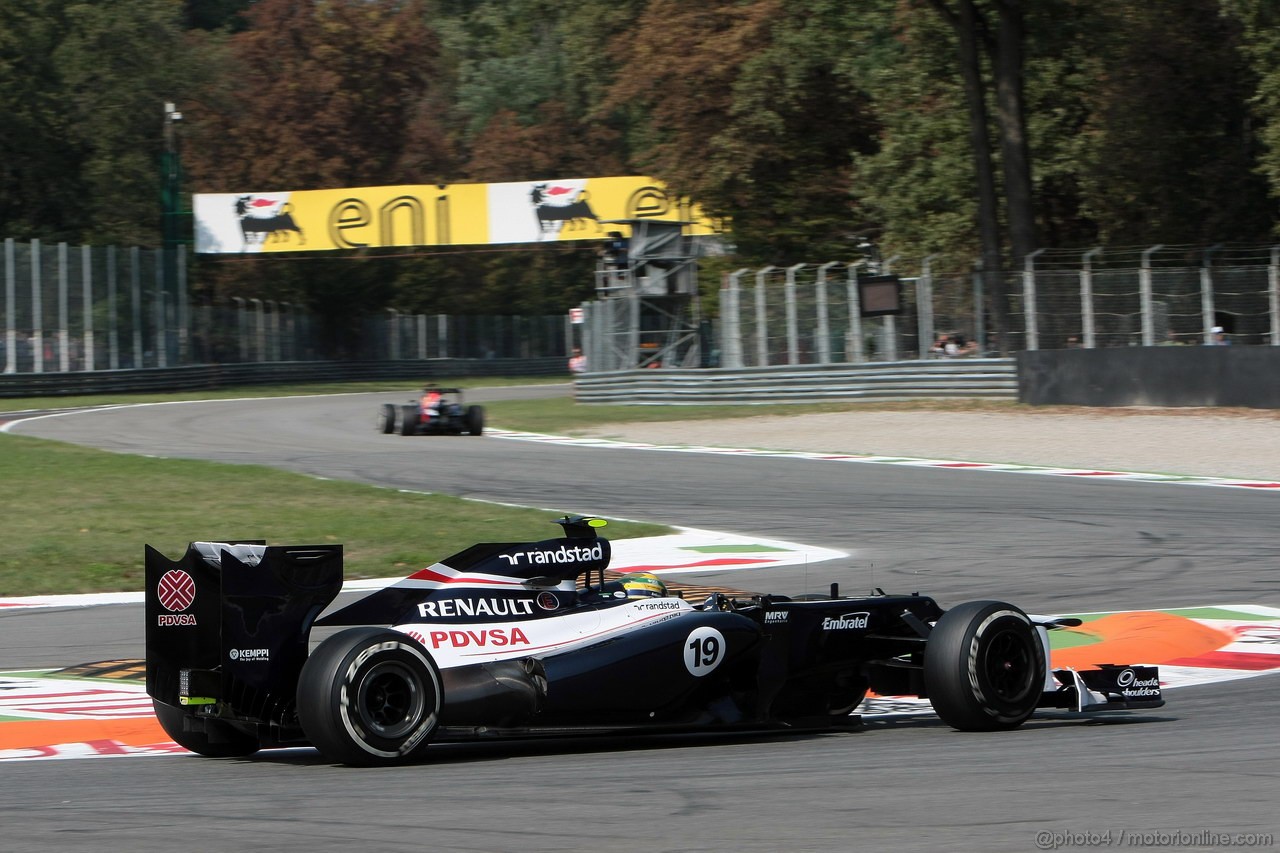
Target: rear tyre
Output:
[(408, 420), (475, 420), (210, 737), (387, 418), (984, 667), (369, 696)]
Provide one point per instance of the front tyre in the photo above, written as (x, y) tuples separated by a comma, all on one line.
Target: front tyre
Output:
[(206, 736), (386, 422), (475, 420), (984, 666), (369, 696)]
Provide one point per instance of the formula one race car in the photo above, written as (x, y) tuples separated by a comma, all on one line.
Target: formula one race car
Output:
[(437, 411), (521, 639)]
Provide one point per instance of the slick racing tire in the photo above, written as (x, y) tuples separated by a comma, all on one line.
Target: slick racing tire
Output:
[(387, 418), (408, 420), (984, 666), (211, 737), (369, 696), (475, 420)]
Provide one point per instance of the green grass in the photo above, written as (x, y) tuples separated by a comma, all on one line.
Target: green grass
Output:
[(76, 518)]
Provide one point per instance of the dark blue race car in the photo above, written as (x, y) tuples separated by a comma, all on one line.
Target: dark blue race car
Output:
[(529, 638)]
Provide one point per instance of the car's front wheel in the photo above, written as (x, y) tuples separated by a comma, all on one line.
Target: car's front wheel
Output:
[(369, 696), (475, 420), (984, 666), (386, 418), (203, 735)]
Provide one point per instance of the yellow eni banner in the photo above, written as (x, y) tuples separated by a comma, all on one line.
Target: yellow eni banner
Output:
[(433, 215)]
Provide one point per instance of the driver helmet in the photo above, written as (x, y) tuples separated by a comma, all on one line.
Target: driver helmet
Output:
[(643, 585)]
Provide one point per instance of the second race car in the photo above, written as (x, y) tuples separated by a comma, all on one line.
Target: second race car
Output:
[(437, 411)]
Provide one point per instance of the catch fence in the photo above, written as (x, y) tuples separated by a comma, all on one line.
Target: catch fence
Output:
[(68, 309), (814, 313)]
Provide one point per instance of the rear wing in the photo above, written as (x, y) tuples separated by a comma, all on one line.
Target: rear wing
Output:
[(230, 621)]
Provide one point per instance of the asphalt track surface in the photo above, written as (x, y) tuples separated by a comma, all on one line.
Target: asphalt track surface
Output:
[(1207, 762)]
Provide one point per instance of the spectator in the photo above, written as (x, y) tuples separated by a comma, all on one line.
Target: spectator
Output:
[(939, 348), (1073, 342), (958, 346), (614, 252), (1218, 337), (577, 362)]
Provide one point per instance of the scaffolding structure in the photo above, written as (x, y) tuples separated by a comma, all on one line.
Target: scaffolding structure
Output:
[(646, 312)]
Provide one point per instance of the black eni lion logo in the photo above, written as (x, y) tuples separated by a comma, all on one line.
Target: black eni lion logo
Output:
[(257, 228), (573, 213)]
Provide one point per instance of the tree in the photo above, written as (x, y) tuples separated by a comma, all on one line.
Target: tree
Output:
[(39, 176), (747, 111), (1260, 45), (82, 87), (1168, 153), (333, 93), (325, 94)]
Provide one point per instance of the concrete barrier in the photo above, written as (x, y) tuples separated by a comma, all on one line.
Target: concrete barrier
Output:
[(1173, 376)]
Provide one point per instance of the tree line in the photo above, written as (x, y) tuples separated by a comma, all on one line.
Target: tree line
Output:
[(968, 130)]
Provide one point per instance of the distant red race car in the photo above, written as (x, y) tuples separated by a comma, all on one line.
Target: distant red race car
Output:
[(437, 411)]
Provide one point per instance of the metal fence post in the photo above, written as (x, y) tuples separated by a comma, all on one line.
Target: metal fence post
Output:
[(86, 283), (1144, 296), (889, 322), (793, 331), (135, 291), (393, 326), (1273, 294), (855, 350), (240, 328), (161, 335), (64, 337), (824, 321), (288, 348), (259, 333), (10, 308), (731, 329), (924, 306), (762, 329), (37, 309), (184, 307), (275, 329), (1206, 293), (1029, 300), (113, 321), (1086, 298)]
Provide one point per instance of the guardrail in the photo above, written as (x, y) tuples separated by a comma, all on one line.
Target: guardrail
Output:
[(980, 378), (205, 377), (992, 378)]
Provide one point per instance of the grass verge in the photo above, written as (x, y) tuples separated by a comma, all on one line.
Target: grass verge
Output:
[(76, 518)]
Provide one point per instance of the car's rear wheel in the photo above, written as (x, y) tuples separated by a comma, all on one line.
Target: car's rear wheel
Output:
[(203, 735), (984, 666), (386, 421), (408, 420), (369, 696), (475, 420)]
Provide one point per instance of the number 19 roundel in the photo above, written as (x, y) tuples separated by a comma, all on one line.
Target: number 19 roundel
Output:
[(703, 651)]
